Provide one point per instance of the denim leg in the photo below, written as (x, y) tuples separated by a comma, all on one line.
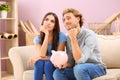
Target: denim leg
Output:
[(38, 70), (88, 71), (48, 70), (64, 74)]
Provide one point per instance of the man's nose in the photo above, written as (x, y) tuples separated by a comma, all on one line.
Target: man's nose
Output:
[(66, 22)]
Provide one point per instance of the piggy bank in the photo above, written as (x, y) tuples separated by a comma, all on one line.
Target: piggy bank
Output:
[(59, 58)]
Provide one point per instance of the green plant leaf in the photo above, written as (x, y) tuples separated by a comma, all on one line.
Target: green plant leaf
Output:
[(4, 7)]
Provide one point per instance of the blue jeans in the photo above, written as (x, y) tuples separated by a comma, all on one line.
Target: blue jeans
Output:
[(43, 67), (85, 71)]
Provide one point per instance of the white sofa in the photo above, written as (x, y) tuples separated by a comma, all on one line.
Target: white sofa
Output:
[(110, 52)]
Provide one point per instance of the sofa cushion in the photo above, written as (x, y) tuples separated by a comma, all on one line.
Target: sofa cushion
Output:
[(112, 74), (110, 50), (29, 75)]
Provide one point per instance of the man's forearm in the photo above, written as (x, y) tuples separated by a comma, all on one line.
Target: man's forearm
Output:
[(76, 51)]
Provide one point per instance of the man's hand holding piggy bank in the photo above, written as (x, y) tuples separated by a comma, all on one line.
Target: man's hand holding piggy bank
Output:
[(59, 58)]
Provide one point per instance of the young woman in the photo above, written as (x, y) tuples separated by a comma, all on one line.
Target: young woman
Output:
[(50, 38)]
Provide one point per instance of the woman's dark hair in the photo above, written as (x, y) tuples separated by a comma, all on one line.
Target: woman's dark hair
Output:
[(56, 31)]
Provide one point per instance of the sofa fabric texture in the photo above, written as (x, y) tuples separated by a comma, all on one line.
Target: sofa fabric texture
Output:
[(110, 52)]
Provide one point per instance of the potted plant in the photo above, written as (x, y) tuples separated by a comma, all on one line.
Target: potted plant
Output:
[(4, 8)]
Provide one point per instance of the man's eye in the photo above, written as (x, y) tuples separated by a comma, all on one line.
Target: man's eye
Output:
[(68, 18)]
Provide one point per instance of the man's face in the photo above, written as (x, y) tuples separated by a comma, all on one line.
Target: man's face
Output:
[(70, 21)]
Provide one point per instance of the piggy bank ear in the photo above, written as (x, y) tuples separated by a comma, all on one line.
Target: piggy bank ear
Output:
[(53, 51), (53, 58)]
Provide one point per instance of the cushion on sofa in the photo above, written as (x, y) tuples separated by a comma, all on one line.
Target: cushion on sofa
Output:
[(110, 50), (112, 74), (29, 75)]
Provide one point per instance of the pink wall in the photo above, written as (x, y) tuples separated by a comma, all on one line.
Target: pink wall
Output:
[(93, 10)]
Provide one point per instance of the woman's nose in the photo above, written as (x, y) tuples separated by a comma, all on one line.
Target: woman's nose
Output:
[(48, 22)]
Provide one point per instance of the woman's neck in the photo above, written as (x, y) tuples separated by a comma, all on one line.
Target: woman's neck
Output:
[(50, 34)]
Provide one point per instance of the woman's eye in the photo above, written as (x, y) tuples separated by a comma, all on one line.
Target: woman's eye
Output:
[(52, 21), (46, 19)]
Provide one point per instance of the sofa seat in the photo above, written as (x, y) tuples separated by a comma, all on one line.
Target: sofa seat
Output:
[(28, 75), (112, 74)]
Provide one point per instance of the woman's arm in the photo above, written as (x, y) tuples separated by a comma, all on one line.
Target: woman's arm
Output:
[(61, 46), (42, 49), (62, 42)]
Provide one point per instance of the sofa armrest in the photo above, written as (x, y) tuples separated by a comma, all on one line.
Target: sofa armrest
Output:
[(17, 63), (19, 57)]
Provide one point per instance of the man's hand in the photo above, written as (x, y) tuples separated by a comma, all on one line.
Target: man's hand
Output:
[(64, 65), (72, 33), (61, 66)]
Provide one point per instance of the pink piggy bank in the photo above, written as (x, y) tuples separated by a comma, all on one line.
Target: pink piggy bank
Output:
[(59, 58)]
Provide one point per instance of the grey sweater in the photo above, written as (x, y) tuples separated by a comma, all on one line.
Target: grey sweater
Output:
[(88, 43)]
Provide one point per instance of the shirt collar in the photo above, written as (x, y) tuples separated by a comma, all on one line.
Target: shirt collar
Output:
[(80, 32)]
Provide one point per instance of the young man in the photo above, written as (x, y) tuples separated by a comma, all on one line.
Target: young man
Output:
[(82, 48)]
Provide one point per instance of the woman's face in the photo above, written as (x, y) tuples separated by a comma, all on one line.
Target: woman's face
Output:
[(49, 22)]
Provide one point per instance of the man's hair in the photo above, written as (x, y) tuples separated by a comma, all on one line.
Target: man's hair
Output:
[(76, 13)]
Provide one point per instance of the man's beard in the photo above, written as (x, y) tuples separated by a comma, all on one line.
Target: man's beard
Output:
[(71, 28)]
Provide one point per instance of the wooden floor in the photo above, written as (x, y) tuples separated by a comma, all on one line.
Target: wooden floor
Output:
[(6, 76)]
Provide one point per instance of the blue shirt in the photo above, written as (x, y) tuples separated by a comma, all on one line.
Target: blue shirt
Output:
[(62, 38)]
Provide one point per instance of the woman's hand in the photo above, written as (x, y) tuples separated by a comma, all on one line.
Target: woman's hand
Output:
[(32, 60), (42, 29)]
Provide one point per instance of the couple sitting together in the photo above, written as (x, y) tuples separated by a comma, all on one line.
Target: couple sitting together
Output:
[(84, 60)]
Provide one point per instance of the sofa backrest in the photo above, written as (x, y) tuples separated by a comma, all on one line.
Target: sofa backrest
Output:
[(109, 47), (110, 50)]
